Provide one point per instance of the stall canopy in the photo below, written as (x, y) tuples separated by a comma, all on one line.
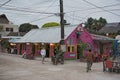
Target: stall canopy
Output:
[(46, 35)]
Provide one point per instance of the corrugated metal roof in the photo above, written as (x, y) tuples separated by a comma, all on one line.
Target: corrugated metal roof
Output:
[(9, 37), (110, 28), (46, 35), (102, 39), (115, 24), (99, 37), (13, 40)]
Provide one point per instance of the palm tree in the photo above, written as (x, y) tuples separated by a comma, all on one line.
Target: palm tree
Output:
[(89, 23), (94, 24), (100, 23)]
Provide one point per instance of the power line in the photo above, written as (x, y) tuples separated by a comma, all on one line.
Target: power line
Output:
[(15, 13), (26, 9), (50, 5), (22, 10), (74, 18), (41, 18), (44, 11), (118, 4), (82, 18), (5, 3), (101, 8), (43, 2)]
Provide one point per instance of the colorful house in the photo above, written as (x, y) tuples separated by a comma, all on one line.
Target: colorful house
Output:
[(118, 44), (77, 42)]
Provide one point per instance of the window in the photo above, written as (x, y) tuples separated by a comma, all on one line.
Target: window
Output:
[(68, 48), (9, 29), (78, 34), (70, 41), (71, 48)]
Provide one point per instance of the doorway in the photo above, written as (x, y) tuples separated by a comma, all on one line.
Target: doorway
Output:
[(79, 52), (47, 50)]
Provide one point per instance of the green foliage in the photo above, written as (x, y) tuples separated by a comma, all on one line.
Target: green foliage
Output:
[(83, 45), (94, 24), (81, 49), (89, 23), (26, 27), (4, 43), (50, 24)]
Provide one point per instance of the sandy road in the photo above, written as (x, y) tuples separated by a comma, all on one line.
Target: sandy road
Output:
[(13, 67)]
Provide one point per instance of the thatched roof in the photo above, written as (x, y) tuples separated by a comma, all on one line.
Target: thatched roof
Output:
[(110, 28)]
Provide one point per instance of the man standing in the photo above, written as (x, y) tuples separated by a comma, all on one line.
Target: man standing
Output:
[(89, 58), (43, 54)]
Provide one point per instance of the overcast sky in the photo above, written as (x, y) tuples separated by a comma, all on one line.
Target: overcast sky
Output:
[(39, 12)]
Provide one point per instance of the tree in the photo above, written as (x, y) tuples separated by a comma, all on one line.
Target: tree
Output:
[(101, 23), (50, 24), (94, 24), (26, 27), (4, 43), (89, 23)]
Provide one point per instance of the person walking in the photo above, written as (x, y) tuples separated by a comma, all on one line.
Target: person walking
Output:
[(104, 58), (43, 54), (89, 58), (96, 56)]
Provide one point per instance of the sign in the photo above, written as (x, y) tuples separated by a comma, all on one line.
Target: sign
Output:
[(63, 48), (72, 55)]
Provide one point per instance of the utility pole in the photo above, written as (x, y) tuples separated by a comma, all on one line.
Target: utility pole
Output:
[(63, 48), (62, 21)]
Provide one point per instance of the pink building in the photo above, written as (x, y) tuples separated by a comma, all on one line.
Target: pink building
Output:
[(77, 42)]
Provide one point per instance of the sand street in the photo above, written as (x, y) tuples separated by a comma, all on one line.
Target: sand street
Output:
[(13, 67)]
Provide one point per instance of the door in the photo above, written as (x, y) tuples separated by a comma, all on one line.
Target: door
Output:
[(79, 52), (47, 50)]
